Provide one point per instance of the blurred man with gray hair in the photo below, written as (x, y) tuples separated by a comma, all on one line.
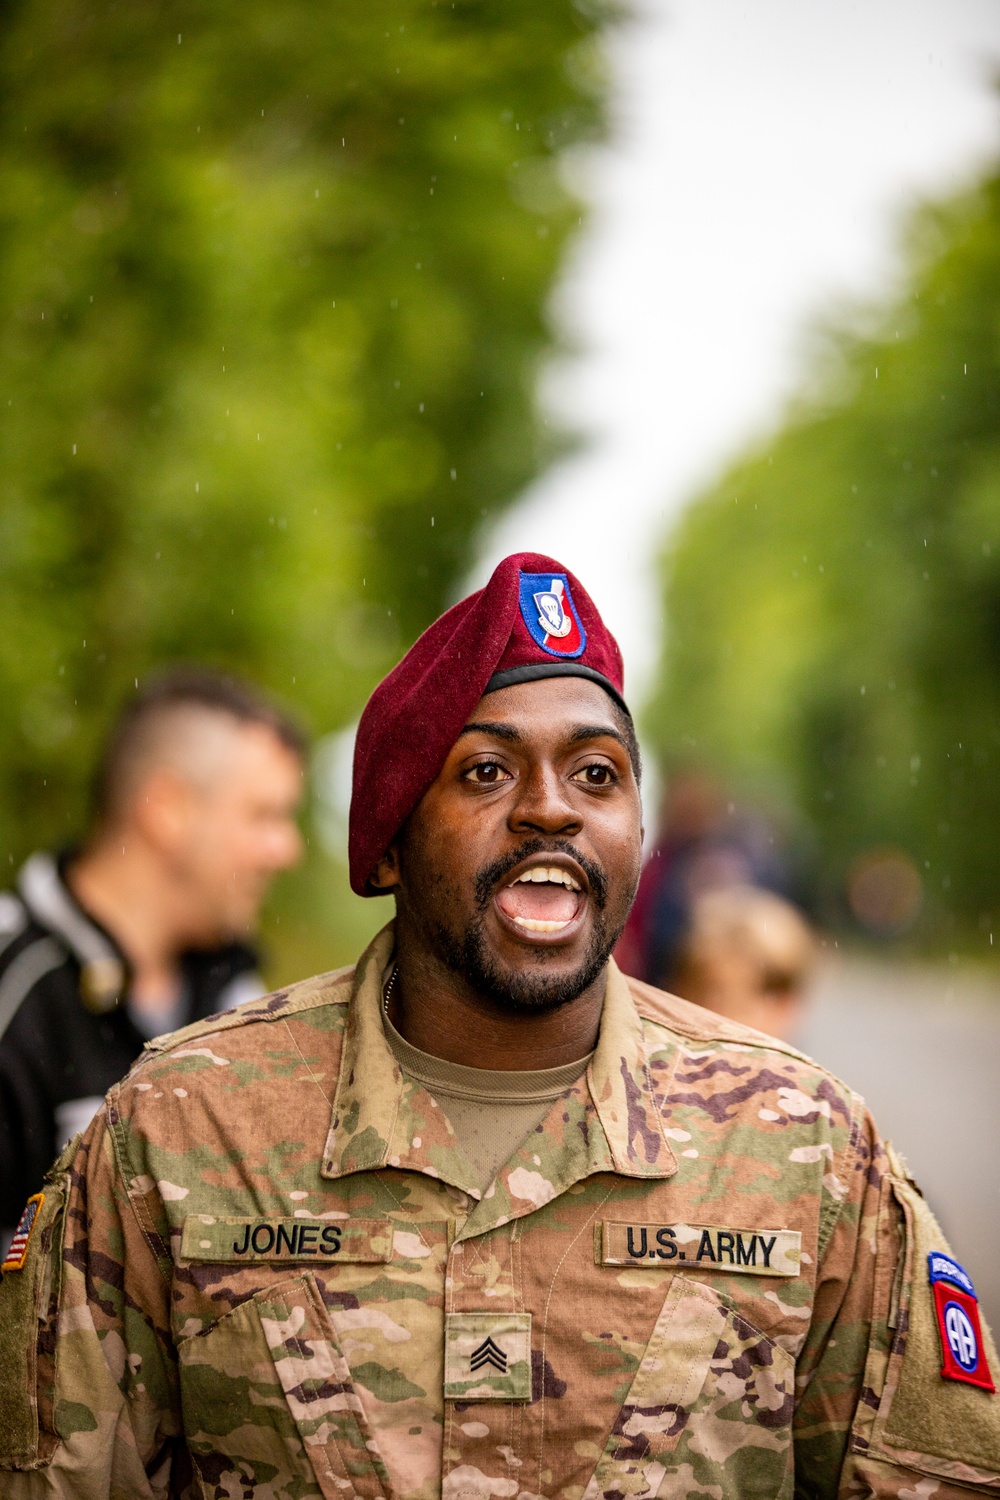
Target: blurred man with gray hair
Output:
[(149, 925)]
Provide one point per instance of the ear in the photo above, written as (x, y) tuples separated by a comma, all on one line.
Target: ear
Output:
[(385, 876), (161, 808)]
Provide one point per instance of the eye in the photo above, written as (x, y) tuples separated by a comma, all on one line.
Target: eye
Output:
[(597, 774), (486, 773)]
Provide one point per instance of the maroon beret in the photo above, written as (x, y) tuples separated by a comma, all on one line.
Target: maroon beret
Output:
[(533, 619)]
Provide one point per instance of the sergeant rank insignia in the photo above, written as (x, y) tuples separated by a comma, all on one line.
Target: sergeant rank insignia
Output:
[(956, 1305), (18, 1252)]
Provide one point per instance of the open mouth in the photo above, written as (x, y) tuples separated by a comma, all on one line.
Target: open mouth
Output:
[(543, 899)]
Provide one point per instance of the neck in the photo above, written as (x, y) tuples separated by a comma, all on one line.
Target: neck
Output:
[(437, 1011), (121, 882)]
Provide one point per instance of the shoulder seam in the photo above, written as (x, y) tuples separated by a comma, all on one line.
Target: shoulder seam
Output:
[(725, 1033), (319, 990), (741, 1036)]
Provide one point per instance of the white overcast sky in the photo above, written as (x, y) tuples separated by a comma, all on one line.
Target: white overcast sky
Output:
[(760, 157)]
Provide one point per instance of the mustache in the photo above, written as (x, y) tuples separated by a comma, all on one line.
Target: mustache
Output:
[(491, 875)]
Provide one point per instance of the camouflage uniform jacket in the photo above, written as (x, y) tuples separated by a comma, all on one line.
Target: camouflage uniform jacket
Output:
[(265, 1272)]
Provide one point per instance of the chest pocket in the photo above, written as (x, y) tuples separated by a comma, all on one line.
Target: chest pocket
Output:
[(712, 1399), (269, 1406)]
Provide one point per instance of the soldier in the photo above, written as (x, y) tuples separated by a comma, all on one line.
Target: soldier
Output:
[(148, 925), (480, 1214)]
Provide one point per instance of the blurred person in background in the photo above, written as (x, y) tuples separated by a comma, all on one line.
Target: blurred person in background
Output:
[(748, 955), (704, 843), (148, 925)]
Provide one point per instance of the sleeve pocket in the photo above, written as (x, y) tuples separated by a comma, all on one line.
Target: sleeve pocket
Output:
[(29, 1305), (922, 1421)]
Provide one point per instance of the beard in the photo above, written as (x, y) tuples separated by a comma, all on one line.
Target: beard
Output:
[(532, 989)]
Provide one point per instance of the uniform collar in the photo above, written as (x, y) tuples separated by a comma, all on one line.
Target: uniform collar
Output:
[(609, 1121)]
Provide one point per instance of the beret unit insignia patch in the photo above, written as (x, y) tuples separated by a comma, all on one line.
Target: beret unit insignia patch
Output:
[(548, 611), (18, 1252), (957, 1309)]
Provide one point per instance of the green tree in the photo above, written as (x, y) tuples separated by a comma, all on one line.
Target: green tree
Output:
[(272, 289), (833, 602)]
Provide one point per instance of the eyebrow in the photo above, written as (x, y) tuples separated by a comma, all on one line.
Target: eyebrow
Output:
[(513, 736), (598, 732), (500, 731)]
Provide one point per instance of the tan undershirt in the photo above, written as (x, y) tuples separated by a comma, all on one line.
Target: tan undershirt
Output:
[(490, 1112)]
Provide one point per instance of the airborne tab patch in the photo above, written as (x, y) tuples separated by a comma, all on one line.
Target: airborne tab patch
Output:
[(206, 1237), (957, 1307), (18, 1252), (702, 1247)]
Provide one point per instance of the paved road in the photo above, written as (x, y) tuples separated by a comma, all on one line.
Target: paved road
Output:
[(923, 1047)]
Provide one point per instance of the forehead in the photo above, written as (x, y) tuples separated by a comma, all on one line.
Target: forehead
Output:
[(548, 707)]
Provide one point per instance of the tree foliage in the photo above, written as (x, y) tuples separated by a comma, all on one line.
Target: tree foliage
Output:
[(833, 602), (272, 290)]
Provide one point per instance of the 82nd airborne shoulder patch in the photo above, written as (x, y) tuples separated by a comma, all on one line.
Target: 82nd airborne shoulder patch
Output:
[(18, 1252), (957, 1308)]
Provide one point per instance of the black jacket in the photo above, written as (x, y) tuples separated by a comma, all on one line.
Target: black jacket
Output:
[(66, 1034)]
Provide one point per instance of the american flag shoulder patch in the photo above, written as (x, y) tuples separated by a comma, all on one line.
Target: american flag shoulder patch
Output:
[(18, 1252)]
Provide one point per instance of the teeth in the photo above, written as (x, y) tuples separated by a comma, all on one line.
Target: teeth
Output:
[(530, 925), (547, 874)]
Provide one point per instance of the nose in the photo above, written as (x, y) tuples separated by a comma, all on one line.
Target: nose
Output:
[(543, 805)]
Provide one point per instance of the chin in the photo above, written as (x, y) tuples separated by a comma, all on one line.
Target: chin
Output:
[(231, 927), (543, 979)]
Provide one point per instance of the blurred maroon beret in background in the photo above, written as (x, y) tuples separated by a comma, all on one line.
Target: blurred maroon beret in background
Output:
[(533, 619)]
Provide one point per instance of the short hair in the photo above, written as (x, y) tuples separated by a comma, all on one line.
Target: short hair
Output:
[(162, 704), (625, 723)]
